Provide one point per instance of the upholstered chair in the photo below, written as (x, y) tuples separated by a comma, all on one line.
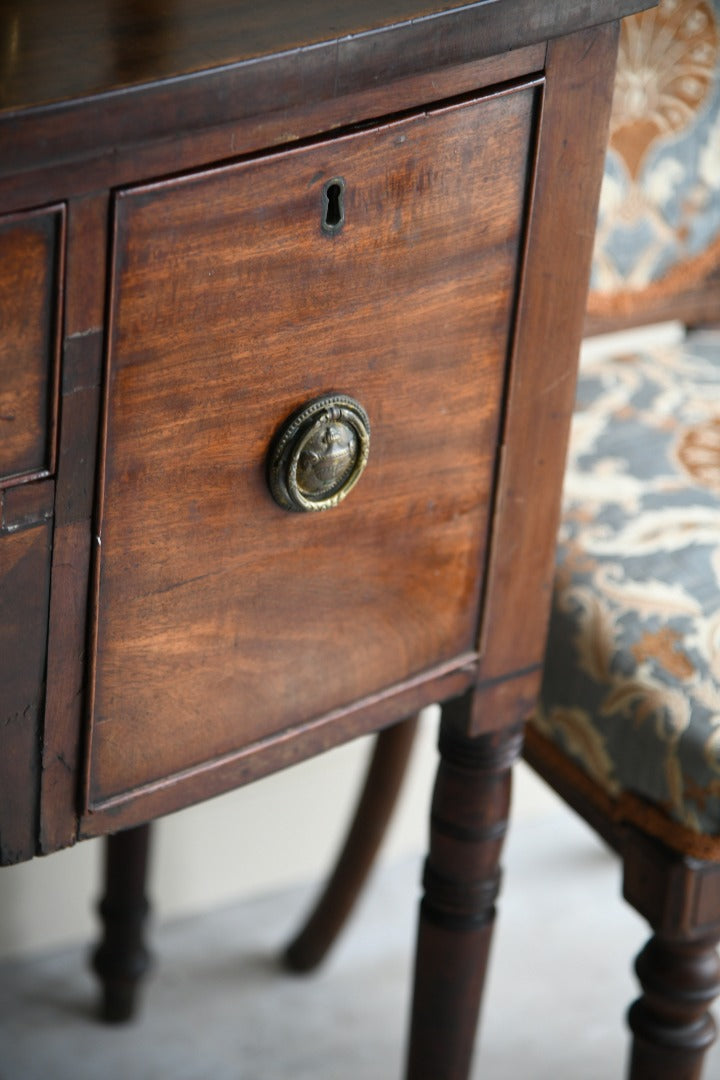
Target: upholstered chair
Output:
[(628, 728)]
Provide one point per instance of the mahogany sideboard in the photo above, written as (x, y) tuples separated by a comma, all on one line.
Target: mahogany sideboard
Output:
[(291, 296)]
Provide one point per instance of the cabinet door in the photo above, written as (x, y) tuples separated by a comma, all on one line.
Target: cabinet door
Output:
[(224, 621)]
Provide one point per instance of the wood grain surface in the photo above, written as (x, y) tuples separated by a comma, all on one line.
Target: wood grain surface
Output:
[(24, 588), (541, 393), (84, 316), (221, 618), (30, 283), (143, 41)]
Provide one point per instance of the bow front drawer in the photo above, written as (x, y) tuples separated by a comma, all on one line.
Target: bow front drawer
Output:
[(377, 268)]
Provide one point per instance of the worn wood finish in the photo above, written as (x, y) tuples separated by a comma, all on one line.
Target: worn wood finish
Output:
[(87, 243), (215, 603), (383, 782), (468, 821), (30, 292), (282, 750), (122, 958), (24, 591), (26, 505)]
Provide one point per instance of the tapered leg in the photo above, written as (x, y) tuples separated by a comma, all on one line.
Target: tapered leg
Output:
[(121, 959), (461, 881), (671, 1025), (382, 785)]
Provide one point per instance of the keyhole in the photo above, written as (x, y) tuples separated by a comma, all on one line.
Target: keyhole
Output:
[(333, 215)]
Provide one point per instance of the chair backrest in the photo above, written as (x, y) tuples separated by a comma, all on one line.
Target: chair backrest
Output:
[(657, 248)]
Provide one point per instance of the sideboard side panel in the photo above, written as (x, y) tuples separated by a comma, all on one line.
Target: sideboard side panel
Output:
[(541, 393)]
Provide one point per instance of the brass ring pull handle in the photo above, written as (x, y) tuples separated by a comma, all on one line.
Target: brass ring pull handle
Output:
[(318, 455)]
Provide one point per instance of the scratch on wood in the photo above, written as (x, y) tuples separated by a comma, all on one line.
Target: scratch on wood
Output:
[(185, 581), (66, 765), (563, 377)]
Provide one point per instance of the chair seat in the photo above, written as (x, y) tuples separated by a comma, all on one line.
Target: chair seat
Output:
[(631, 691)]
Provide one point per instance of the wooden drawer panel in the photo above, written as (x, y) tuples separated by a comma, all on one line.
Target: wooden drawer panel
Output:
[(30, 256), (25, 542), (222, 619)]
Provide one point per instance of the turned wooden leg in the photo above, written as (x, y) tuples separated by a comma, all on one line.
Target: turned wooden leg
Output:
[(679, 969), (461, 881), (121, 959), (378, 798), (671, 1025)]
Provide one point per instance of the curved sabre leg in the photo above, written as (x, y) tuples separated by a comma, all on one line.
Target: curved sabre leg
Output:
[(375, 806)]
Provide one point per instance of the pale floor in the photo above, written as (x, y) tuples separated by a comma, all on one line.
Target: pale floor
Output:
[(218, 1006)]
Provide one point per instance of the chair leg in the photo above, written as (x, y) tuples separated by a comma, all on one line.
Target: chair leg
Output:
[(679, 968), (121, 959), (380, 791), (671, 1025), (467, 828)]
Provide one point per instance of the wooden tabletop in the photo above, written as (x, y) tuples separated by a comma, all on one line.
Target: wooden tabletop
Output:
[(56, 50)]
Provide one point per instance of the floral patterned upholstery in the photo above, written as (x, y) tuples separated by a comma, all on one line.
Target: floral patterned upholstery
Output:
[(632, 683), (659, 223), (627, 730), (630, 705)]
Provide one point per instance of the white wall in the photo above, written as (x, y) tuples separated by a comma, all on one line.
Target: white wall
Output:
[(277, 832)]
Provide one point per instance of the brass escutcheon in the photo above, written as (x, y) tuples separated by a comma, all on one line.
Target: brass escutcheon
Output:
[(319, 454)]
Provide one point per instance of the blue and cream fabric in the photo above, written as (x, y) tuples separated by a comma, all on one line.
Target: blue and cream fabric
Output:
[(632, 683), (660, 202)]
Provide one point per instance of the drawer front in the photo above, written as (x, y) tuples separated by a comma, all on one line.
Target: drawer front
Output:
[(25, 546), (30, 262), (239, 295)]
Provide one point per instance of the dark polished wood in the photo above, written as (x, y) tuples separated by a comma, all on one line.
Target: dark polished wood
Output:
[(25, 578), (289, 747), (122, 958), (213, 344), (74, 533), (468, 822), (138, 43), (671, 1025), (31, 263), (679, 968), (379, 795), (222, 62), (541, 381), (172, 632)]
